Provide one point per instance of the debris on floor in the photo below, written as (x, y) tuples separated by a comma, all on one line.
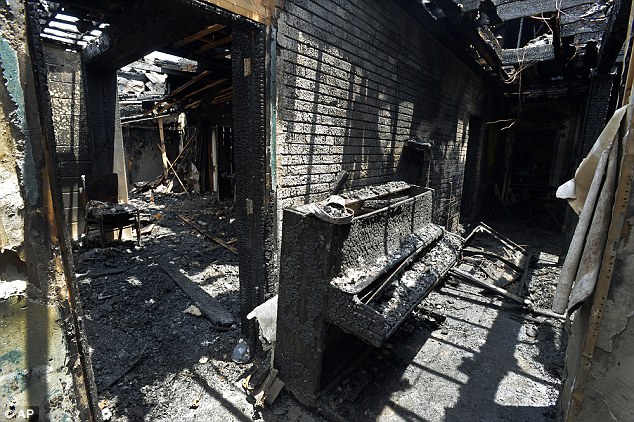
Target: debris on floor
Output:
[(156, 358), (492, 261)]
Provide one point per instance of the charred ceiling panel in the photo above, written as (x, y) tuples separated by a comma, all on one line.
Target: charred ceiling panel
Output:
[(556, 40)]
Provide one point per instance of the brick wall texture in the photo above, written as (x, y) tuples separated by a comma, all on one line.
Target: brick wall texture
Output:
[(71, 132), (355, 79)]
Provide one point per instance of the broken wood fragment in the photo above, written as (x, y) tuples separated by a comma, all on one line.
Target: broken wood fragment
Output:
[(273, 391), (208, 305), (269, 390), (209, 236), (162, 147), (547, 313), (178, 177), (147, 229), (340, 181), (100, 273)]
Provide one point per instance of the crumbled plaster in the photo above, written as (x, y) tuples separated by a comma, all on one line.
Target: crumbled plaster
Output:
[(11, 201), (12, 76)]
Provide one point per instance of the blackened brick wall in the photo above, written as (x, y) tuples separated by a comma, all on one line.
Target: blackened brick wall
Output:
[(71, 132), (356, 78)]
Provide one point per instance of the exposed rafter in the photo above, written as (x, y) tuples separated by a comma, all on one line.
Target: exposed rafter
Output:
[(453, 13), (136, 33), (198, 35), (214, 44)]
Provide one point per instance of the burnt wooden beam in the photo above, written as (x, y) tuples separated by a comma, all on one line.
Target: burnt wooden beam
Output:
[(547, 89), (614, 36), (583, 27), (174, 97), (539, 53), (198, 35), (95, 5), (208, 305), (514, 9), (148, 25), (472, 35), (206, 87), (555, 24), (489, 37), (440, 32), (205, 61), (213, 44)]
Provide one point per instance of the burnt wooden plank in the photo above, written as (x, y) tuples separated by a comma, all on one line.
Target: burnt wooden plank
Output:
[(198, 35), (213, 44), (208, 305), (512, 9), (538, 53)]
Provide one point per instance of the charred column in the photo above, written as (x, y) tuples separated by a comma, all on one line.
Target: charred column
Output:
[(254, 205)]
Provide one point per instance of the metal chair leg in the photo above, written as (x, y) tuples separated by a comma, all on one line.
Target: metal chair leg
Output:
[(102, 232), (138, 229)]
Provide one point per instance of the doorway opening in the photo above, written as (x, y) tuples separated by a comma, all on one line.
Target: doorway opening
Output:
[(147, 91)]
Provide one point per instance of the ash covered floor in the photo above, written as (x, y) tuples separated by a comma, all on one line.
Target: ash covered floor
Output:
[(462, 355)]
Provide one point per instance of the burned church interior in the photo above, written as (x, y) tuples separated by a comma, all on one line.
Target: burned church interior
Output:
[(336, 210)]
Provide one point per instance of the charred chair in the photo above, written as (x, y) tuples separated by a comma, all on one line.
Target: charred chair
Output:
[(102, 210)]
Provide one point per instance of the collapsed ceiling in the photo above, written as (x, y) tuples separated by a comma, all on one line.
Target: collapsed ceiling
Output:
[(200, 72), (537, 41)]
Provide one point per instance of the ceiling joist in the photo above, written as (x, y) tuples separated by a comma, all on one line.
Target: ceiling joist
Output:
[(214, 44), (198, 35)]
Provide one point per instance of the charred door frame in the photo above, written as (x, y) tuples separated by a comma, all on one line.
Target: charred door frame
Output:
[(255, 204)]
